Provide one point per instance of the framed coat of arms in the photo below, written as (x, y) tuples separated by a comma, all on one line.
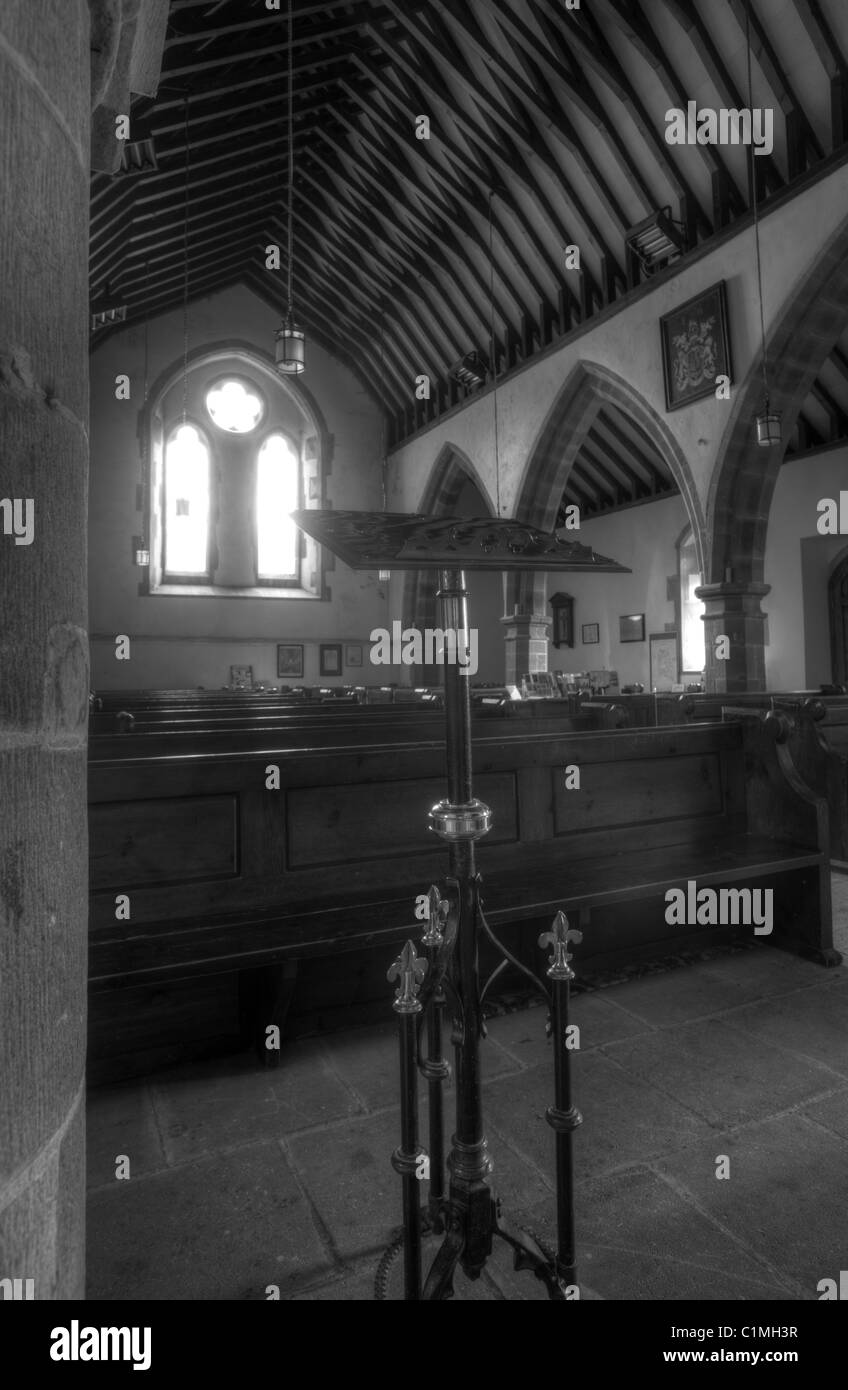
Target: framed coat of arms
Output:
[(695, 347)]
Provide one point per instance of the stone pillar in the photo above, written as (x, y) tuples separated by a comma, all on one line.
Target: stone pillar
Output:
[(526, 645), (44, 155), (733, 611)]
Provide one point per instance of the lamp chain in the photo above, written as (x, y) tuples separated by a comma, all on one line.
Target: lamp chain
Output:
[(494, 352), (185, 265), (754, 201), (291, 164)]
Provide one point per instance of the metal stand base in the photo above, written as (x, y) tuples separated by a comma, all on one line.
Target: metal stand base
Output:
[(530, 1252)]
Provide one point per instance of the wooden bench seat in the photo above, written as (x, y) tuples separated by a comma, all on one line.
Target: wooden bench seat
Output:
[(157, 952), (223, 874)]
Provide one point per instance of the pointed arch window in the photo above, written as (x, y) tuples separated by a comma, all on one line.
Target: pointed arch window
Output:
[(231, 452), (186, 505), (277, 494), (692, 649)]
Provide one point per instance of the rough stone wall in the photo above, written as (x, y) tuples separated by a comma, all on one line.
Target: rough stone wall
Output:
[(44, 165)]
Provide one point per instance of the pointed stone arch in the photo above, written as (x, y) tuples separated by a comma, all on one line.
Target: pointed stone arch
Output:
[(745, 475), (589, 387)]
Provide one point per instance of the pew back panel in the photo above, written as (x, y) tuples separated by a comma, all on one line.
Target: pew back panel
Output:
[(345, 839)]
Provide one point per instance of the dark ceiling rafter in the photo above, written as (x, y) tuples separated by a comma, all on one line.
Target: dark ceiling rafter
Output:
[(401, 244)]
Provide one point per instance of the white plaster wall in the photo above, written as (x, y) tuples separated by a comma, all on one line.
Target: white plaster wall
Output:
[(644, 539)]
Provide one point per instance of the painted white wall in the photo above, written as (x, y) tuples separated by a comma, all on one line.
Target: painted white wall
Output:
[(644, 539)]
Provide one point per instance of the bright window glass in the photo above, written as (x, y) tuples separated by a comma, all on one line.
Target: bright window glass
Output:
[(234, 407), (691, 608), (276, 496), (186, 503)]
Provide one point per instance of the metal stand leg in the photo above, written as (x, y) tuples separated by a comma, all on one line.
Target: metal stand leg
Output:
[(408, 970), (562, 1116), (435, 1068)]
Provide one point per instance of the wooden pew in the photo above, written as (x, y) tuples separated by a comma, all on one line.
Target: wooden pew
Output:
[(257, 729), (817, 733), (225, 875)]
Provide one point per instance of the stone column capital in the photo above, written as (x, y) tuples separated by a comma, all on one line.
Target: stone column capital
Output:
[(732, 590)]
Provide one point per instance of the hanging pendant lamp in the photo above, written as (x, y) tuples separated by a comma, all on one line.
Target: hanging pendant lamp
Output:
[(290, 351)]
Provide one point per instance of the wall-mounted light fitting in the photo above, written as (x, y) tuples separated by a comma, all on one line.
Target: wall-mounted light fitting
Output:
[(471, 370), (656, 240)]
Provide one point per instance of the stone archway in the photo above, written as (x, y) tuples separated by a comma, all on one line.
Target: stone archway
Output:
[(745, 474), (558, 443)]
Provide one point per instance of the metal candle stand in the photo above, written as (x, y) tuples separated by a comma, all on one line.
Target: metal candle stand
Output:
[(469, 1215)]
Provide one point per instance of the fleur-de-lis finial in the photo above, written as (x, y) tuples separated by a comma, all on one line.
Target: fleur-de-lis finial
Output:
[(437, 911), (409, 970), (558, 938)]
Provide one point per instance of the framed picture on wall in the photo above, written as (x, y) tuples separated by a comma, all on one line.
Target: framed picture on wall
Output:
[(695, 347), (241, 677), (290, 659), (631, 628), (590, 633), (330, 663), (353, 654)]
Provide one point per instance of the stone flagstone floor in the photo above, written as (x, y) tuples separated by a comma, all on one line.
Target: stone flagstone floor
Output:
[(244, 1178)]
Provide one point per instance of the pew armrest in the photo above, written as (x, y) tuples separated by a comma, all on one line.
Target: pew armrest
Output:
[(780, 801)]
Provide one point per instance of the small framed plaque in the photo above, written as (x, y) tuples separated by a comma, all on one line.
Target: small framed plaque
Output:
[(631, 628), (241, 677), (695, 347), (330, 663), (590, 633), (290, 659)]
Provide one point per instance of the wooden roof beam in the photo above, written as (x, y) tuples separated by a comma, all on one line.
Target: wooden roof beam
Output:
[(547, 117), (574, 82), (533, 150), (605, 422), (300, 39), (470, 268), (770, 66), (685, 13), (394, 161), (482, 177), (600, 56)]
